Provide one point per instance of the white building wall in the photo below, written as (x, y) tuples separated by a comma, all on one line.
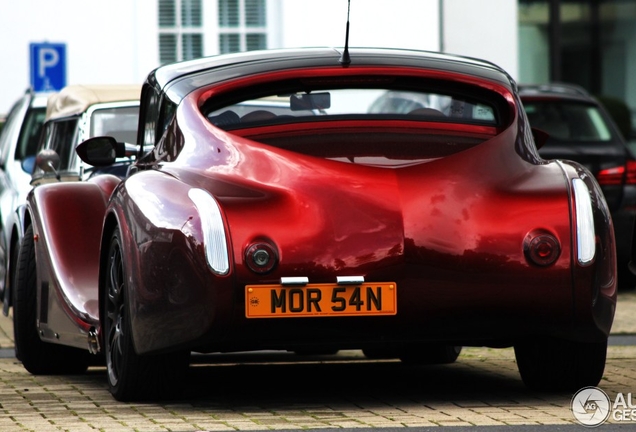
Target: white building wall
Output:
[(373, 23), (106, 41), (115, 41), (485, 29)]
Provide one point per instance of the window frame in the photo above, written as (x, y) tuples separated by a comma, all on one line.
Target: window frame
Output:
[(180, 33), (242, 31)]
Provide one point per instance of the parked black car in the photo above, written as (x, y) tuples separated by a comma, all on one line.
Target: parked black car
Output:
[(580, 129)]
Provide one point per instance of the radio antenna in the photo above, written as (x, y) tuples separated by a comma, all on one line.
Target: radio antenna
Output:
[(345, 59)]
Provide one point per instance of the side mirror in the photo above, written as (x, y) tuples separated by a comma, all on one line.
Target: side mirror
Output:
[(99, 151), (28, 163), (540, 137), (48, 161)]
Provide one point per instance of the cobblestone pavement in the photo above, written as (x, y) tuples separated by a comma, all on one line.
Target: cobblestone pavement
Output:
[(276, 391)]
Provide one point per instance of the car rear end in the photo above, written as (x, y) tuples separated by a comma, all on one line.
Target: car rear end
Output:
[(581, 130), (344, 227), (448, 207)]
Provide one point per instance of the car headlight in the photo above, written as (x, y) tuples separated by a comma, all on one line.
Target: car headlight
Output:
[(585, 235), (215, 243)]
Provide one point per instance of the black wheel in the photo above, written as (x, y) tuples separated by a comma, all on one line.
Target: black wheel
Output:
[(37, 356), (560, 365), (9, 294), (431, 354), (9, 282), (3, 267), (133, 377)]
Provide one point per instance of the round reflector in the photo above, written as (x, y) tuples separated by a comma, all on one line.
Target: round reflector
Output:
[(261, 257), (541, 248)]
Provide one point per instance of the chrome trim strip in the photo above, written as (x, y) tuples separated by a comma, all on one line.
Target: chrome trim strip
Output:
[(294, 280), (350, 280)]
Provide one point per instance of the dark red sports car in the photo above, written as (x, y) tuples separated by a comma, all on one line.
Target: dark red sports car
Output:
[(280, 201)]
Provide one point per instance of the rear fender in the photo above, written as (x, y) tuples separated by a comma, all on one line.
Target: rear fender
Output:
[(594, 282), (67, 220), (165, 264)]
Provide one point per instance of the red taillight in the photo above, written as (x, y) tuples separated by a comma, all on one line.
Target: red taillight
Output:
[(611, 176), (616, 175), (630, 178)]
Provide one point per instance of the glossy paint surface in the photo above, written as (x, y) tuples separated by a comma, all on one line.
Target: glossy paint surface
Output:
[(67, 222), (448, 231)]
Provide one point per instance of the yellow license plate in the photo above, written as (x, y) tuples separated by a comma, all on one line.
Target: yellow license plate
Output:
[(315, 300)]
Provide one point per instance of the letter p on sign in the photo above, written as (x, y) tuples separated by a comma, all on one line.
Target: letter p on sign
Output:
[(48, 66)]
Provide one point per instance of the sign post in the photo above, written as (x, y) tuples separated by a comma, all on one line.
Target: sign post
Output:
[(48, 66)]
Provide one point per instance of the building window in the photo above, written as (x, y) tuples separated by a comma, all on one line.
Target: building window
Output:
[(180, 30), (242, 25)]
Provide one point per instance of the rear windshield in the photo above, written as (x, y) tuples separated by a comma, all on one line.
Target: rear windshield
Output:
[(371, 120), (332, 104), (569, 121)]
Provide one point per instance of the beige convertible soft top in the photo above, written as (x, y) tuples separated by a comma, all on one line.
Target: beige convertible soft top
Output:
[(75, 99)]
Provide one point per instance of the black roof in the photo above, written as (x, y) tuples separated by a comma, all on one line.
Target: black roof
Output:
[(179, 79), (563, 91)]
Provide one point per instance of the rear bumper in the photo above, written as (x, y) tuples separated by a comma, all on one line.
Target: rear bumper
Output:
[(493, 311)]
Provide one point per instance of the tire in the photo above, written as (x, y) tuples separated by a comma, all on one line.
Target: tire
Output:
[(9, 284), (9, 294), (37, 356), (3, 266), (133, 377), (555, 365)]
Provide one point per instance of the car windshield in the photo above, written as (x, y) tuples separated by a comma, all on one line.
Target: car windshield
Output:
[(120, 123), (359, 103), (568, 121), (30, 133)]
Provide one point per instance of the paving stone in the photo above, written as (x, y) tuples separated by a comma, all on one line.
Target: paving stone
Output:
[(82, 403)]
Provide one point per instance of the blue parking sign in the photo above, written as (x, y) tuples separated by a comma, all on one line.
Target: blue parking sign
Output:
[(48, 66)]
